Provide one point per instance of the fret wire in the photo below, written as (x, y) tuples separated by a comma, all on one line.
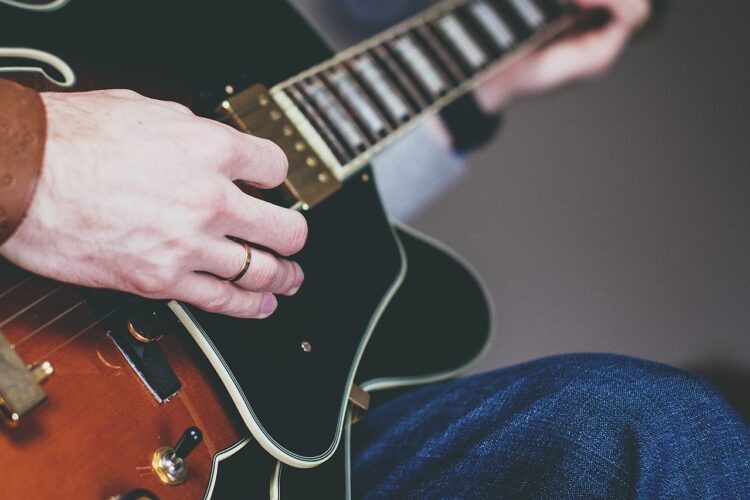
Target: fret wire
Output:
[(494, 25), (330, 135), (300, 100), (450, 48), (513, 19), (338, 119), (383, 89), (415, 63), (389, 63), (481, 36), (522, 46), (346, 89), (529, 12), (329, 79), (372, 98), (466, 46), (448, 62), (408, 94)]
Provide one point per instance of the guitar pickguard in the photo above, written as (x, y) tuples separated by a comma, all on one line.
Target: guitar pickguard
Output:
[(290, 375)]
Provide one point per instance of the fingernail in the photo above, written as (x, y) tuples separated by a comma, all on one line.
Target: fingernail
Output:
[(267, 305)]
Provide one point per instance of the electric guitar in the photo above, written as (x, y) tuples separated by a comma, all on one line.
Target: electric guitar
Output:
[(108, 395)]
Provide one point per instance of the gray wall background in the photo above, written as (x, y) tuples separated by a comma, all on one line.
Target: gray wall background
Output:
[(615, 216)]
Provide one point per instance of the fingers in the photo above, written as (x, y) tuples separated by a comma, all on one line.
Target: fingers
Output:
[(585, 56), (257, 161), (221, 297), (282, 230), (630, 13), (580, 57), (266, 272)]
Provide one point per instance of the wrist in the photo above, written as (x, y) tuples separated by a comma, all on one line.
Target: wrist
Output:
[(468, 124), (23, 131)]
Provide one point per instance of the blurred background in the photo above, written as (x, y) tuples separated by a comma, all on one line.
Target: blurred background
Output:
[(615, 216)]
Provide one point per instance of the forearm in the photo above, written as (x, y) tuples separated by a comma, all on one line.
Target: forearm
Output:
[(23, 130)]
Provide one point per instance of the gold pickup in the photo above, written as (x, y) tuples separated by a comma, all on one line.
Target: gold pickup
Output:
[(20, 391), (256, 112)]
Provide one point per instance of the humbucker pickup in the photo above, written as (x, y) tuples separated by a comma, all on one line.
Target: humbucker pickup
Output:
[(256, 112)]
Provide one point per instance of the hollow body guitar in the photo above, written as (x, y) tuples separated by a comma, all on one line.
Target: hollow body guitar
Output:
[(98, 387)]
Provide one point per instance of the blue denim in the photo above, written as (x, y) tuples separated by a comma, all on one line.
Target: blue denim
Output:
[(575, 426)]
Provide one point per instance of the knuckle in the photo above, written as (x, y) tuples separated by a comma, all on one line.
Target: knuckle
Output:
[(149, 284), (179, 107), (218, 203), (224, 144)]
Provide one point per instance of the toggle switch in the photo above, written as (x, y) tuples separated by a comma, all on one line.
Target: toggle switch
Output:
[(170, 463)]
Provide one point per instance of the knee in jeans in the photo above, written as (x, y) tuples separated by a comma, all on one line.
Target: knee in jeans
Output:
[(638, 387)]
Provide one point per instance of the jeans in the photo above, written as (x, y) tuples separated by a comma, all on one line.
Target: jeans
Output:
[(575, 426)]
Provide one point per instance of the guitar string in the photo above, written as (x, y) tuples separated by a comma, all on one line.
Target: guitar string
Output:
[(353, 54), (86, 329), (29, 306), (56, 318), (22, 282)]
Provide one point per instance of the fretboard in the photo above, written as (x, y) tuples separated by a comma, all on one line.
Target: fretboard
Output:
[(349, 107)]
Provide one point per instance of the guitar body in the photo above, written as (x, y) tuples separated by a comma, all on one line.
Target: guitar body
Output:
[(382, 307), (94, 436)]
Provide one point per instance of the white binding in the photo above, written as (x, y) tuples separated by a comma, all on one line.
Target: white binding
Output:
[(383, 383), (220, 456), (243, 406), (69, 77), (393, 382), (46, 7), (275, 488)]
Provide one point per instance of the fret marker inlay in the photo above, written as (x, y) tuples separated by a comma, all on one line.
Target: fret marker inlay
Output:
[(420, 65), (530, 13), (493, 24), (453, 29), (335, 113), (351, 92), (370, 73)]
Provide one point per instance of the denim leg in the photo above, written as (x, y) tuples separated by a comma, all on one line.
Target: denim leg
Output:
[(575, 426)]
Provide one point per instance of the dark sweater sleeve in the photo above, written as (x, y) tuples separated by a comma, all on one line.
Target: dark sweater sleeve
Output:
[(469, 126), (23, 131)]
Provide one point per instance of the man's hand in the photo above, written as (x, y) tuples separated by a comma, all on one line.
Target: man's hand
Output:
[(138, 195), (580, 57)]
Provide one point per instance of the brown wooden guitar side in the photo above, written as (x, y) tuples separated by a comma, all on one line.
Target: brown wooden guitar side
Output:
[(95, 434)]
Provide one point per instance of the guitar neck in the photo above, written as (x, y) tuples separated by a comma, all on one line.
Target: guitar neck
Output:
[(351, 106)]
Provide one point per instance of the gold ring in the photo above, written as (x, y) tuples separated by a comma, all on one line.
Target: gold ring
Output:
[(245, 265)]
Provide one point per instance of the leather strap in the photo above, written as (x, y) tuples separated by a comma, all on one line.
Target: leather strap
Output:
[(23, 131)]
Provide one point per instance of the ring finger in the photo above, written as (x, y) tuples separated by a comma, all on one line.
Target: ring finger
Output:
[(265, 272)]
